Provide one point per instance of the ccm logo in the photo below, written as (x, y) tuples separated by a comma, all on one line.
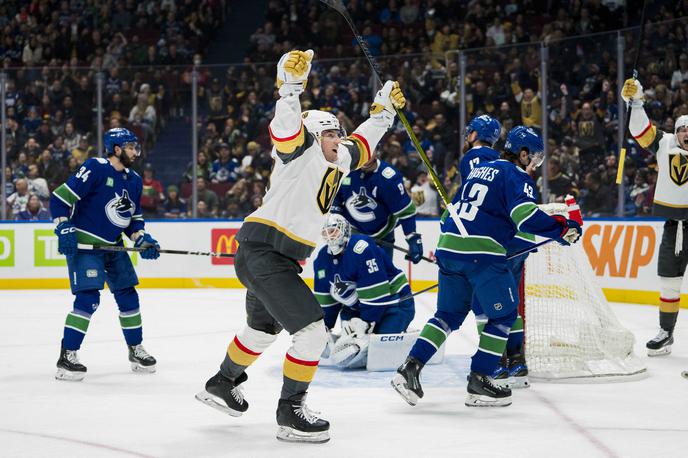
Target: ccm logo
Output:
[(391, 338)]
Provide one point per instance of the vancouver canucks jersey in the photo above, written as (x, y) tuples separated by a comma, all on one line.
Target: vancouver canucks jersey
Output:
[(496, 200), (362, 279), (482, 154), (375, 202), (100, 201)]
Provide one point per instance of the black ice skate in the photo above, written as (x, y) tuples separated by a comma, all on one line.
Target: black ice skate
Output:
[(407, 381), (518, 371), (484, 392), (501, 373), (141, 361), (661, 344), (224, 394), (298, 424), (69, 367)]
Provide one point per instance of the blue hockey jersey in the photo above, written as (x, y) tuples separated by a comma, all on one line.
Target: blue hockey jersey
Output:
[(101, 202), (362, 279), (496, 200), (374, 203), (479, 155)]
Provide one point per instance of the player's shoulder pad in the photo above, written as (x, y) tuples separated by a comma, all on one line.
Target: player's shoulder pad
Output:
[(95, 162)]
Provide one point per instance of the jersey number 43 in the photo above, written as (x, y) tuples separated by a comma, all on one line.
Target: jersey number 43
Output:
[(472, 198)]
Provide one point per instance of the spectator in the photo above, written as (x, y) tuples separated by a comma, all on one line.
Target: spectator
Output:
[(34, 211), (83, 151), (202, 210), (50, 169), (36, 184), (71, 136), (208, 196), (425, 196), (590, 138), (559, 184), (18, 200), (174, 207), (225, 168), (681, 74), (596, 200), (151, 195)]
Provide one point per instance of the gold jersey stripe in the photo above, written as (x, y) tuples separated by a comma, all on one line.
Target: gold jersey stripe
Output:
[(646, 137), (288, 145), (288, 233), (666, 204), (299, 372)]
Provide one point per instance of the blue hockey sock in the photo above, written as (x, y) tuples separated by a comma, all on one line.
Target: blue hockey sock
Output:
[(129, 315), (76, 324), (431, 338), (490, 348)]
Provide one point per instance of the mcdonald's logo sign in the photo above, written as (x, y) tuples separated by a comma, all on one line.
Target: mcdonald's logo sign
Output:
[(223, 241)]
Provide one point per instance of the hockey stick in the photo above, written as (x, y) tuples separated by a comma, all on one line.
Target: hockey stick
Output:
[(622, 152), (82, 246), (398, 248), (338, 6)]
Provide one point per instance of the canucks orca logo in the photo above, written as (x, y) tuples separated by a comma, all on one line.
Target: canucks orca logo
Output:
[(120, 209), (361, 206), (343, 292)]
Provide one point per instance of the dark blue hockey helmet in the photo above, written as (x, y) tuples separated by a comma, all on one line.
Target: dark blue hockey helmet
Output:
[(487, 128), (522, 137), (119, 136)]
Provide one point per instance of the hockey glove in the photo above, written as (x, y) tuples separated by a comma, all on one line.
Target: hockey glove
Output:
[(356, 327), (415, 244), (66, 238), (150, 246), (632, 91), (292, 72), (386, 100), (571, 230)]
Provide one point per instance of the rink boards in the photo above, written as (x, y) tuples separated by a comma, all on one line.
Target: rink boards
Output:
[(622, 253)]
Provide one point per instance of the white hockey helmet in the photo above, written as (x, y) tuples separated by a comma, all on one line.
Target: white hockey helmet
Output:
[(682, 121), (336, 232), (318, 121)]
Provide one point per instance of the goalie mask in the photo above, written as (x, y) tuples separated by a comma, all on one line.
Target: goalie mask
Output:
[(336, 232), (317, 122)]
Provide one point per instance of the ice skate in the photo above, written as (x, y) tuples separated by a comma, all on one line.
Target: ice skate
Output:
[(299, 424), (141, 361), (407, 381), (501, 373), (224, 394), (518, 371), (484, 392), (69, 367), (661, 344)]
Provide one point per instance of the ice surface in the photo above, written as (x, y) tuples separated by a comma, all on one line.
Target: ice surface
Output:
[(115, 412)]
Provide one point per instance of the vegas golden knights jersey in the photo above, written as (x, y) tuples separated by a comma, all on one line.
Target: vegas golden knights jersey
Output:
[(303, 183), (671, 191)]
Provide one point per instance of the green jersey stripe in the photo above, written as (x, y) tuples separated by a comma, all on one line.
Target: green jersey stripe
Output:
[(470, 244), (406, 212), (66, 195), (520, 213)]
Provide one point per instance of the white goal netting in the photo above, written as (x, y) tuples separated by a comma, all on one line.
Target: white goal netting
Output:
[(571, 331)]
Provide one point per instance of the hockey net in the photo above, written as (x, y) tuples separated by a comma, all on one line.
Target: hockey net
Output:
[(570, 330)]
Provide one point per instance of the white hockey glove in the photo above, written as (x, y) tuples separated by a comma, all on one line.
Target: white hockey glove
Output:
[(386, 100), (292, 72), (632, 91), (356, 327)]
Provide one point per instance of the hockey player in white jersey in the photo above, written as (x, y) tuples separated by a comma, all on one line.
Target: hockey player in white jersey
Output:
[(311, 156), (670, 202)]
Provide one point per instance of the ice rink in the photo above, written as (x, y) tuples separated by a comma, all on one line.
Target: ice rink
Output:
[(115, 412)]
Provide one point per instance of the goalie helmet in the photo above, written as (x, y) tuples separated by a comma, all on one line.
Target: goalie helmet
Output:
[(336, 232), (522, 137), (318, 121)]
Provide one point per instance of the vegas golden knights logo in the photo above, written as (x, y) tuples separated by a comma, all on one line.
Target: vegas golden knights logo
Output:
[(328, 188), (678, 166)]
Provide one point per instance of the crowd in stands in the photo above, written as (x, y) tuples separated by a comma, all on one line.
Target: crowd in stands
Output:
[(411, 39)]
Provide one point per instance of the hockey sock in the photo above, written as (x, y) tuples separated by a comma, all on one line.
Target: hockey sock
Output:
[(480, 321), (668, 313), (129, 315), (514, 344), (431, 338), (76, 324), (490, 348), (301, 360), (243, 350)]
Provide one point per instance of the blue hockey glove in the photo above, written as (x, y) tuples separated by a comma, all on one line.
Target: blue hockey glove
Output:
[(415, 245), (66, 238), (571, 230), (150, 246)]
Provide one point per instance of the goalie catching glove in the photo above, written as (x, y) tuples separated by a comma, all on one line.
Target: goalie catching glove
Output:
[(571, 230), (292, 72), (386, 101), (351, 349)]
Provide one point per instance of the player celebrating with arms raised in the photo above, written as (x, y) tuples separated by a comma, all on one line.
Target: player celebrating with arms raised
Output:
[(496, 200), (311, 157), (670, 202), (95, 206)]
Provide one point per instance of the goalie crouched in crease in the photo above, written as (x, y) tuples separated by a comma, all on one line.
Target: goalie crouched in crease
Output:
[(355, 277), (311, 156)]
